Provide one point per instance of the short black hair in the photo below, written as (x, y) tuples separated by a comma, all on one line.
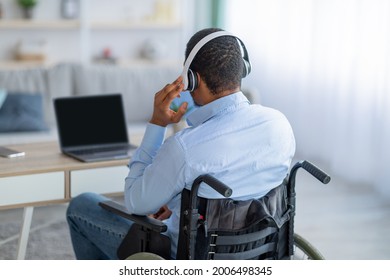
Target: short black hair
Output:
[(219, 62)]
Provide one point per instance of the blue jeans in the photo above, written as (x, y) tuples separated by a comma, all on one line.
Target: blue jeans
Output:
[(96, 233)]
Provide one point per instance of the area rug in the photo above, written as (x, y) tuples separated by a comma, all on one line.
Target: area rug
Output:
[(48, 240)]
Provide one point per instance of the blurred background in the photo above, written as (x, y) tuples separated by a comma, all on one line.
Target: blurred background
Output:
[(324, 64)]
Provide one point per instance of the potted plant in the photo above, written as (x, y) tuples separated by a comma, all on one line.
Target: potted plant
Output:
[(28, 7)]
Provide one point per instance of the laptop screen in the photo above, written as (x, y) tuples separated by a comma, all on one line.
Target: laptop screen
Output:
[(90, 120)]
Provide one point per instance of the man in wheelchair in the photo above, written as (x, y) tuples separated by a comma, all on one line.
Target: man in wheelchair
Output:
[(248, 147)]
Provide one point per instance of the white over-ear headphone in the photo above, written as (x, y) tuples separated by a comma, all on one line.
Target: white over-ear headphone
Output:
[(190, 80)]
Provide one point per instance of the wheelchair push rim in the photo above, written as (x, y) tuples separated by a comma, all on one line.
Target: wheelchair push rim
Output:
[(304, 250)]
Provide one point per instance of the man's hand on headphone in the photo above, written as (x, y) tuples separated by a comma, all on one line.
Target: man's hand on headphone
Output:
[(162, 113)]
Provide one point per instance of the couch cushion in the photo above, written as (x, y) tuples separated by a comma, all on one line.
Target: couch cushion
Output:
[(22, 112)]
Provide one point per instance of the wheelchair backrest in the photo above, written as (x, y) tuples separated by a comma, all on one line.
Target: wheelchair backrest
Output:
[(232, 229)]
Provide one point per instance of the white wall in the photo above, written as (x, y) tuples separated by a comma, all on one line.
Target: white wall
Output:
[(325, 64)]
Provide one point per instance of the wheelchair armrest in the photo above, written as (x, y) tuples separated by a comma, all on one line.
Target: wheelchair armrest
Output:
[(145, 221)]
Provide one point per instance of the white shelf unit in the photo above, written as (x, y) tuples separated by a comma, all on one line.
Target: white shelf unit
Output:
[(83, 39)]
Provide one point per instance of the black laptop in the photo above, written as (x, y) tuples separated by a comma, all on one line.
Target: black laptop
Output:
[(93, 128)]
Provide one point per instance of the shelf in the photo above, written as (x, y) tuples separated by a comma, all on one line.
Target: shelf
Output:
[(75, 24), (39, 24), (103, 25), (139, 63), (16, 65)]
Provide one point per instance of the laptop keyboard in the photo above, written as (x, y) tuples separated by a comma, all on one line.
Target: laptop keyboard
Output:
[(100, 150)]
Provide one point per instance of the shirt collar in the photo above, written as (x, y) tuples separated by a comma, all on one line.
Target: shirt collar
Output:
[(206, 112)]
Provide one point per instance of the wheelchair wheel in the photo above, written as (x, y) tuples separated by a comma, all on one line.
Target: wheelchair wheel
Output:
[(144, 256), (304, 250)]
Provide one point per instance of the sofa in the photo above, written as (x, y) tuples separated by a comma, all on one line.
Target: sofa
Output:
[(34, 89)]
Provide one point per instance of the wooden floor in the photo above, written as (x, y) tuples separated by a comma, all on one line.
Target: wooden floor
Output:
[(344, 221)]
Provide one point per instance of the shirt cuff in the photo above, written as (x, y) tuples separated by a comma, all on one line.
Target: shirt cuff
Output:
[(154, 137)]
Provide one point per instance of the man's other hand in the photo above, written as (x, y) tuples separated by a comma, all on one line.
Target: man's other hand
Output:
[(162, 214)]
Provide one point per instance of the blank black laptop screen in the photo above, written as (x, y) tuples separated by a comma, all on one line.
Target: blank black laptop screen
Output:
[(91, 120)]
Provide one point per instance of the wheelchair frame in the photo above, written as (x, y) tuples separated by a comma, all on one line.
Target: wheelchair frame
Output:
[(300, 243), (298, 247)]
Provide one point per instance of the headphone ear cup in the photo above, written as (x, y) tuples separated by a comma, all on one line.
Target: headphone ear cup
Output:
[(192, 80), (247, 68)]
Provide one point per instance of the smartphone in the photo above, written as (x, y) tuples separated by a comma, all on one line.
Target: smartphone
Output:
[(9, 153)]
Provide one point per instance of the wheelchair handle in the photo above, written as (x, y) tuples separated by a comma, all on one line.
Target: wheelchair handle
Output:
[(216, 184), (316, 172), (309, 167)]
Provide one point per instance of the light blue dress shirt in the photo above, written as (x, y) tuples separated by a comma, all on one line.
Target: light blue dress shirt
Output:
[(248, 147)]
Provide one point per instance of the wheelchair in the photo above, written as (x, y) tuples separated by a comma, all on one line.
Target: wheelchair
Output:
[(225, 229)]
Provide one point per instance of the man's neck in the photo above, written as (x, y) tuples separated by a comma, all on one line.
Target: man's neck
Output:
[(222, 94)]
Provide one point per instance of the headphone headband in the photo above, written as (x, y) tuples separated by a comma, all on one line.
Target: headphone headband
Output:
[(199, 45)]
